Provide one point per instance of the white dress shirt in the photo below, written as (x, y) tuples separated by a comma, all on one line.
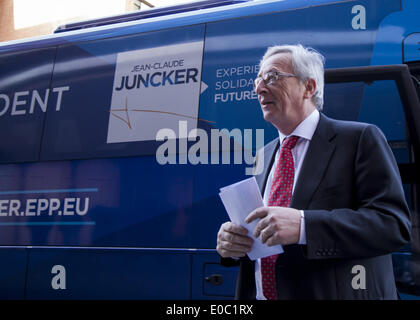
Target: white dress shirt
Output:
[(305, 130)]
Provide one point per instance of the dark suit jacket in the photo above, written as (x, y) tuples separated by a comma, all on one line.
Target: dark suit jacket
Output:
[(355, 214)]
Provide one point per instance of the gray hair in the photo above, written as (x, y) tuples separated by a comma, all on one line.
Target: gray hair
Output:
[(307, 63)]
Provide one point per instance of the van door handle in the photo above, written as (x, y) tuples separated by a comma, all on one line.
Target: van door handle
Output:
[(215, 279)]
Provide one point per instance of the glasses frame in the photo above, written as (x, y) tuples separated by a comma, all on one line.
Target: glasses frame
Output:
[(270, 77)]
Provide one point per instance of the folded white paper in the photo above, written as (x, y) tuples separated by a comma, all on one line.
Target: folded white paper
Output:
[(240, 199)]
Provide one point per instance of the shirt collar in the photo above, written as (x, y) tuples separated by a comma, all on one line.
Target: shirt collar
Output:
[(305, 129)]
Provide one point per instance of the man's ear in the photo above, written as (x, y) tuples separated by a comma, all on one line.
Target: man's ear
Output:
[(310, 87)]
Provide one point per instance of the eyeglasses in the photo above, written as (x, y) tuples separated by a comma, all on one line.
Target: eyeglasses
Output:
[(271, 77)]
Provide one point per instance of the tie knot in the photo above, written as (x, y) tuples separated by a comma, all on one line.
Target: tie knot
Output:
[(289, 142)]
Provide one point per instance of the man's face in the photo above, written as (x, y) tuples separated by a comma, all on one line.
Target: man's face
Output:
[(283, 99)]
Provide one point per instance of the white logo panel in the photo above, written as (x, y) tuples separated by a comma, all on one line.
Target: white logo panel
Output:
[(153, 89)]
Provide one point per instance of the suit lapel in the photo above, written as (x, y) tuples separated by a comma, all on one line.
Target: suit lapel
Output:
[(315, 163), (269, 156)]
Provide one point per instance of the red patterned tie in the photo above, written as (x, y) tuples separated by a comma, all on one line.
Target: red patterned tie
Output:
[(280, 196)]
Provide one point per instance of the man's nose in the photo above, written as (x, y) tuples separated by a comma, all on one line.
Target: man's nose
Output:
[(260, 88)]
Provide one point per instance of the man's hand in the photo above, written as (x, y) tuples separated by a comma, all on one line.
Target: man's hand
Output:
[(232, 241), (278, 225)]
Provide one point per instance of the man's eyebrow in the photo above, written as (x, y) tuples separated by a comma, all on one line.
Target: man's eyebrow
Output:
[(271, 70)]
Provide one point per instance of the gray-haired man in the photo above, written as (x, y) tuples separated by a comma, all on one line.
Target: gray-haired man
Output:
[(333, 196)]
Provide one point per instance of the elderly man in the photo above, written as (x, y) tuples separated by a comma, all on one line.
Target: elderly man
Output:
[(332, 193)]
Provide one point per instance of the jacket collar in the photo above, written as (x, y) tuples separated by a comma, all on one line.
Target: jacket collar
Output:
[(316, 161)]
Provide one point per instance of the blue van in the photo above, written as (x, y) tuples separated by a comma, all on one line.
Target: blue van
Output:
[(87, 208)]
